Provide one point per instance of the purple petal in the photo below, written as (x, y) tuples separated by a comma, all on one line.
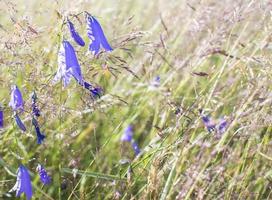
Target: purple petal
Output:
[(1, 118), (19, 122), (75, 34), (96, 35), (44, 177), (128, 134), (135, 147), (23, 183), (222, 125), (40, 136), (16, 100)]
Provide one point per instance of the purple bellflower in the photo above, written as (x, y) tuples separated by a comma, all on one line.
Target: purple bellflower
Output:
[(128, 137), (1, 118), (35, 110), (96, 35), (23, 183), (16, 100), (40, 136), (68, 65), (44, 177), (209, 124), (75, 34), (19, 122)]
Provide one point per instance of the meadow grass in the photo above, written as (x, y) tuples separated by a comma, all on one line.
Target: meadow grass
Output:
[(210, 55)]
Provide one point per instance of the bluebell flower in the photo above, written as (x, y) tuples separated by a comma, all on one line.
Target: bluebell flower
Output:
[(23, 183), (19, 122), (95, 91), (96, 35), (16, 100), (1, 118), (68, 65), (74, 34), (128, 134), (222, 126), (40, 136), (35, 109), (44, 177)]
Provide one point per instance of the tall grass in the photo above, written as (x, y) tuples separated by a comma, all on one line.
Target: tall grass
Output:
[(210, 55)]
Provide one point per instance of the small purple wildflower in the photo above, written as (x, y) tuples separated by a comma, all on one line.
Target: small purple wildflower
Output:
[(135, 147), (44, 177), (96, 35), (209, 124), (156, 81), (74, 34), (23, 183), (68, 65), (40, 136), (222, 126), (35, 109), (1, 118), (16, 100), (19, 122)]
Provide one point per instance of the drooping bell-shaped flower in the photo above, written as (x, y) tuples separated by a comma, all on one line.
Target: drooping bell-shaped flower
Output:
[(68, 65), (19, 122), (1, 118), (44, 177), (74, 34), (16, 99), (40, 136), (23, 183), (96, 35), (35, 109)]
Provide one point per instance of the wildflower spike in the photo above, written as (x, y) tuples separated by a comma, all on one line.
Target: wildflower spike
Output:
[(44, 177), (40, 136), (23, 183), (96, 35), (75, 34)]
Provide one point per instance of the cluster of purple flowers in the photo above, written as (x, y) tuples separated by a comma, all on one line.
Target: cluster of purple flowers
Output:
[(68, 67), (210, 124)]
